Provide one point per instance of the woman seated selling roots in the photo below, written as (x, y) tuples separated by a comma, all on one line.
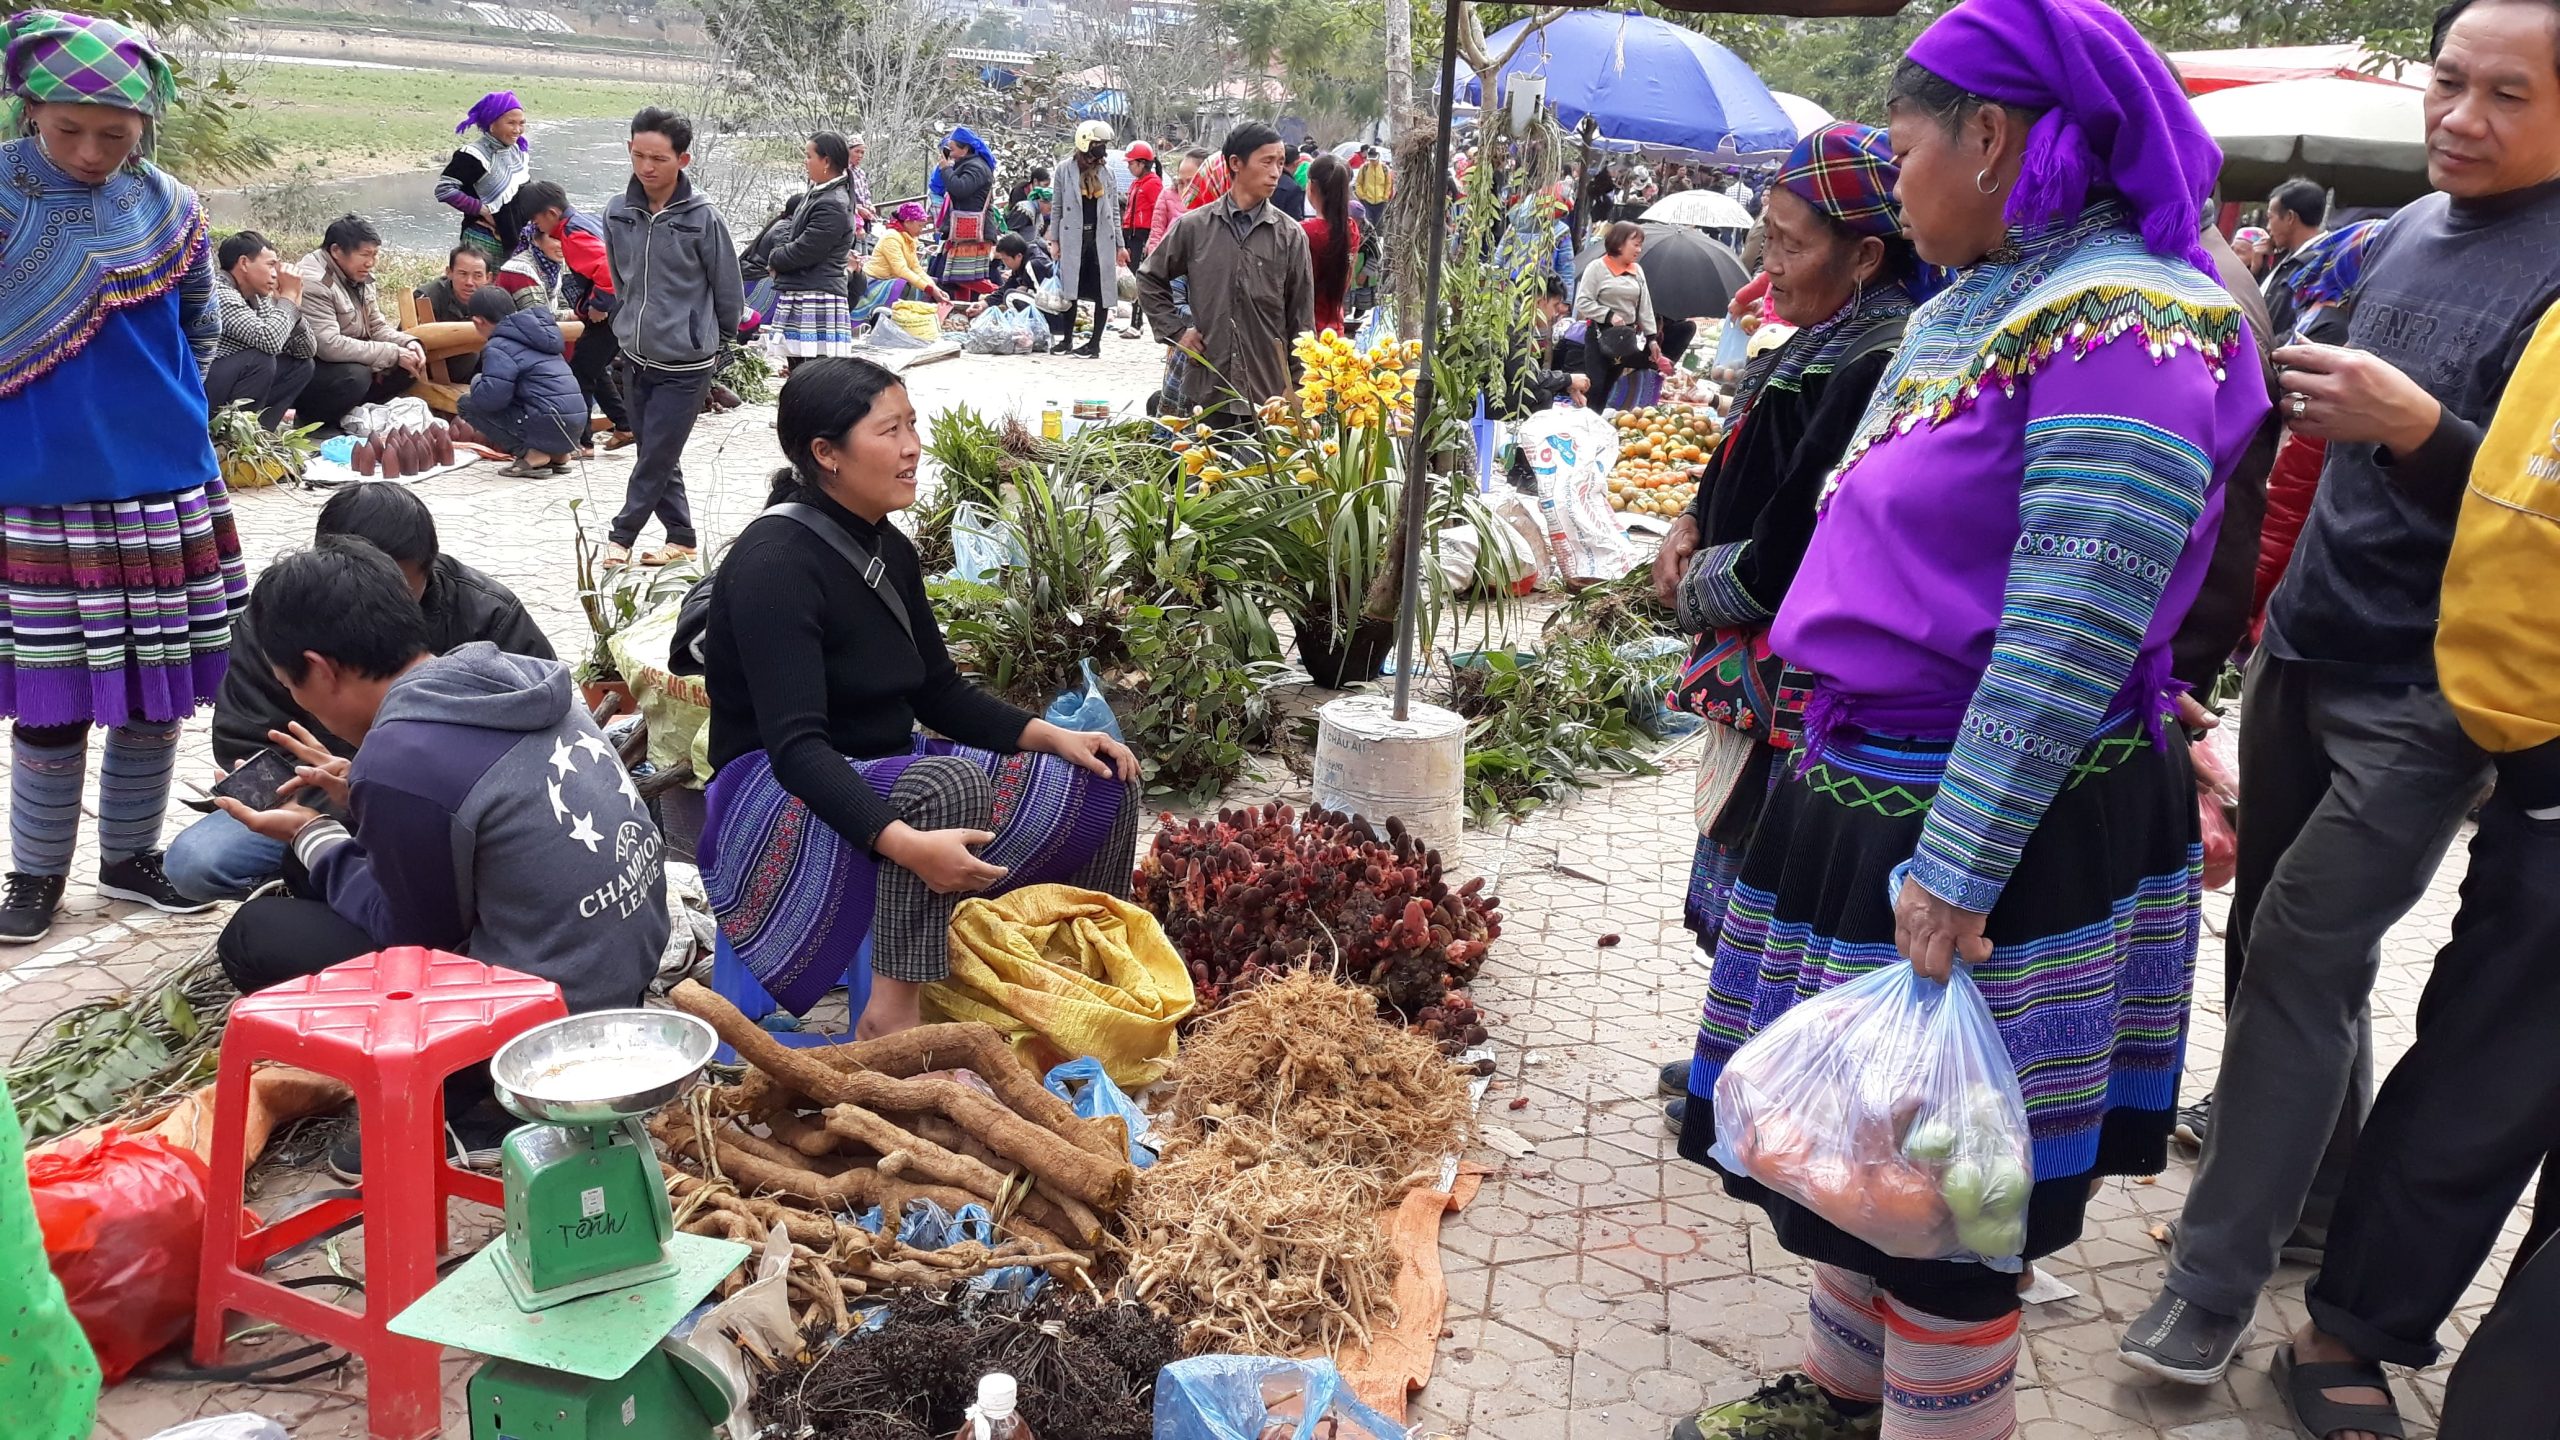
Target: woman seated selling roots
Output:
[(831, 818), (2013, 535)]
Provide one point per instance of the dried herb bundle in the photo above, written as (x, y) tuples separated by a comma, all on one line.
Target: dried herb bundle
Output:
[(1087, 1371), (1296, 1119)]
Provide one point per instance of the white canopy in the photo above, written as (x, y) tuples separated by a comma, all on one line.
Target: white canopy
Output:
[(1706, 209), (1806, 116), (2320, 122)]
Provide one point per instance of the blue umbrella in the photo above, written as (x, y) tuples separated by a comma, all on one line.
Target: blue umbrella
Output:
[(1646, 82)]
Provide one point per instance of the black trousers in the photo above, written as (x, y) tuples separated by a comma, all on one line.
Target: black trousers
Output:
[(270, 383), (1089, 288), (1604, 372), (2465, 1116), (2505, 1387), (338, 386), (594, 367), (276, 938)]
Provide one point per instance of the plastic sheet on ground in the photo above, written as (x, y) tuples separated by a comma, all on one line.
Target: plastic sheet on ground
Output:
[(1064, 973), (1081, 1083), (1248, 1397), (927, 1226)]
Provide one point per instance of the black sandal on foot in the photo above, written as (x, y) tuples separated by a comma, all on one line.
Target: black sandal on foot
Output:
[(2315, 1415)]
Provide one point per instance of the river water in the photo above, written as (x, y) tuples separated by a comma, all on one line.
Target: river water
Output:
[(585, 156)]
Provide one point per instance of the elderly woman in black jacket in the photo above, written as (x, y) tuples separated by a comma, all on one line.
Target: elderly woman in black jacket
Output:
[(803, 252)]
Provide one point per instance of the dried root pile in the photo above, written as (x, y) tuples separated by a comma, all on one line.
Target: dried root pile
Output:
[(1297, 1117), (809, 1135), (1087, 1371)]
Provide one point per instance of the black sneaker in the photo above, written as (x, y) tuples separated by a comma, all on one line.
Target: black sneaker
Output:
[(138, 878), (471, 1141), (2179, 1340), (27, 906), (2192, 1120)]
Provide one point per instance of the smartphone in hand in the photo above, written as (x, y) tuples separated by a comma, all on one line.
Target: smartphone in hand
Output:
[(256, 781)]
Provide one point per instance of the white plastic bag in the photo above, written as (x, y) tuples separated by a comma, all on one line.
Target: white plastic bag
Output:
[(1523, 539), (989, 334), (1051, 298), (1887, 1106), (225, 1427), (1571, 451)]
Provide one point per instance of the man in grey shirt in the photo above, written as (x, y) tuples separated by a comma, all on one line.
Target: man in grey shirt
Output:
[(1250, 283), (2354, 774)]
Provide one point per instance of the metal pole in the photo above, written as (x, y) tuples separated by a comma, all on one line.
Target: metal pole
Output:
[(1417, 481)]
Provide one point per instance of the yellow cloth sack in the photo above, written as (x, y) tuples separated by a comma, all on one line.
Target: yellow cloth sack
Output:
[(917, 318), (1067, 972)]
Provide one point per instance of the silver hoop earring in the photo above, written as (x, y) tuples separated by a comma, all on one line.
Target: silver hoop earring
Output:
[(1982, 180)]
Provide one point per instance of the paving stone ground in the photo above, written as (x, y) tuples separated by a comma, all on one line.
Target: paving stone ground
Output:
[(1600, 1288)]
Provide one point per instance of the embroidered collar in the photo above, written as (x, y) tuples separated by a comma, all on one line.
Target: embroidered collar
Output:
[(75, 253), (2064, 289)]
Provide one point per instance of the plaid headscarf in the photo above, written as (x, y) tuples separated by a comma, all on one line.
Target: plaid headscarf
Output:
[(54, 57), (1847, 172)]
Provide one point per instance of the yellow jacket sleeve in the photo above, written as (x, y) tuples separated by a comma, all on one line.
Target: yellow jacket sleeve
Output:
[(894, 258), (2497, 648)]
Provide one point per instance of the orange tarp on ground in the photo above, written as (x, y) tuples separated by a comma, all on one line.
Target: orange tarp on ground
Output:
[(1386, 1373)]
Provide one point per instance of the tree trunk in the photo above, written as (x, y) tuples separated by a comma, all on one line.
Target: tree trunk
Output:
[(1399, 15)]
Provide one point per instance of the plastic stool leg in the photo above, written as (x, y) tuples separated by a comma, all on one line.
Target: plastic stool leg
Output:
[(403, 1204), (219, 1250)]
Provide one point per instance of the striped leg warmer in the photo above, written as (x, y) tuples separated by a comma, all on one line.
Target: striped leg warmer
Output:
[(44, 802), (1949, 1379), (133, 787), (1844, 1336)]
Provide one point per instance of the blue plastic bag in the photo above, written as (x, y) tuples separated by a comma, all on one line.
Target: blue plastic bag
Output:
[(1232, 1397), (1889, 1107), (1085, 709), (1082, 1083), (927, 1226), (1645, 707), (1733, 346)]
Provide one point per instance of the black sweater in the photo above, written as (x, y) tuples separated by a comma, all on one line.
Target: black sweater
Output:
[(806, 663)]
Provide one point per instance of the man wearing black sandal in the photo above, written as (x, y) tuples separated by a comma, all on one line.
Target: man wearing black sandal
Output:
[(2475, 1104)]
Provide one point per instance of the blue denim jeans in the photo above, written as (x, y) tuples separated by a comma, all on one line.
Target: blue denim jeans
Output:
[(218, 858)]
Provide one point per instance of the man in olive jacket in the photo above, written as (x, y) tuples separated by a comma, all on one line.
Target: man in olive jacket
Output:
[(216, 858)]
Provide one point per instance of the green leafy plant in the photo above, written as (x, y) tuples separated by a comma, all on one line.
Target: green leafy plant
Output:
[(749, 371), (1028, 631), (614, 596), (253, 456), (1541, 724), (123, 1056), (1196, 709)]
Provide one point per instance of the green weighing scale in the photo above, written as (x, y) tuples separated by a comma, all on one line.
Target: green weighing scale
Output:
[(573, 1304)]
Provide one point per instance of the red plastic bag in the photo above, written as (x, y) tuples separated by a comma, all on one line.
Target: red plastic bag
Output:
[(123, 1223), (2217, 798)]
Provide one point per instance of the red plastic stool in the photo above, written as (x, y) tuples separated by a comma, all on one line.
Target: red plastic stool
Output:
[(391, 1025)]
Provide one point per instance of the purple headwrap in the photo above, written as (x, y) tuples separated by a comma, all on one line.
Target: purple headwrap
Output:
[(489, 110), (2112, 113), (910, 211)]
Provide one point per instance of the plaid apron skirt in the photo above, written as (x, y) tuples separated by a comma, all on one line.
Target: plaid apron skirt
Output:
[(812, 322), (795, 899), (114, 610), (968, 256)]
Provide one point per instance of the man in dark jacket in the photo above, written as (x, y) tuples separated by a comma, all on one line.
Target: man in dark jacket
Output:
[(680, 297), (215, 859), (524, 400), (489, 817)]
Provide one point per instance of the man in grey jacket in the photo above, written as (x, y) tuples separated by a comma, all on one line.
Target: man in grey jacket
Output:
[(678, 300)]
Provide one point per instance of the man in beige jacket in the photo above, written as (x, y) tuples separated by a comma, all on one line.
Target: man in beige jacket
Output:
[(361, 355)]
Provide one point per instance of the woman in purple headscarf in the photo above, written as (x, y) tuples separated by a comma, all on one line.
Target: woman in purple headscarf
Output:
[(2012, 536), (486, 177)]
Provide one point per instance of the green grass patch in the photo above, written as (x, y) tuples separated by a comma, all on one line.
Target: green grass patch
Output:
[(329, 118)]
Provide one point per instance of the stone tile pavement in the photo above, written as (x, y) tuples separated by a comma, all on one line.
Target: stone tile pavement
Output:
[(1599, 1287)]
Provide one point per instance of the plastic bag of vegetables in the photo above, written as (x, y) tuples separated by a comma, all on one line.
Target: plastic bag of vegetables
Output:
[(1887, 1106)]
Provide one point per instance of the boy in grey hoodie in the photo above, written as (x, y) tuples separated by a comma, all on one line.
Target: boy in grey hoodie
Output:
[(678, 299), (486, 815)]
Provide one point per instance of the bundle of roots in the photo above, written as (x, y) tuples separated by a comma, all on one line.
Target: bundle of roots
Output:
[(1087, 1371), (811, 1135), (1297, 1117)]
